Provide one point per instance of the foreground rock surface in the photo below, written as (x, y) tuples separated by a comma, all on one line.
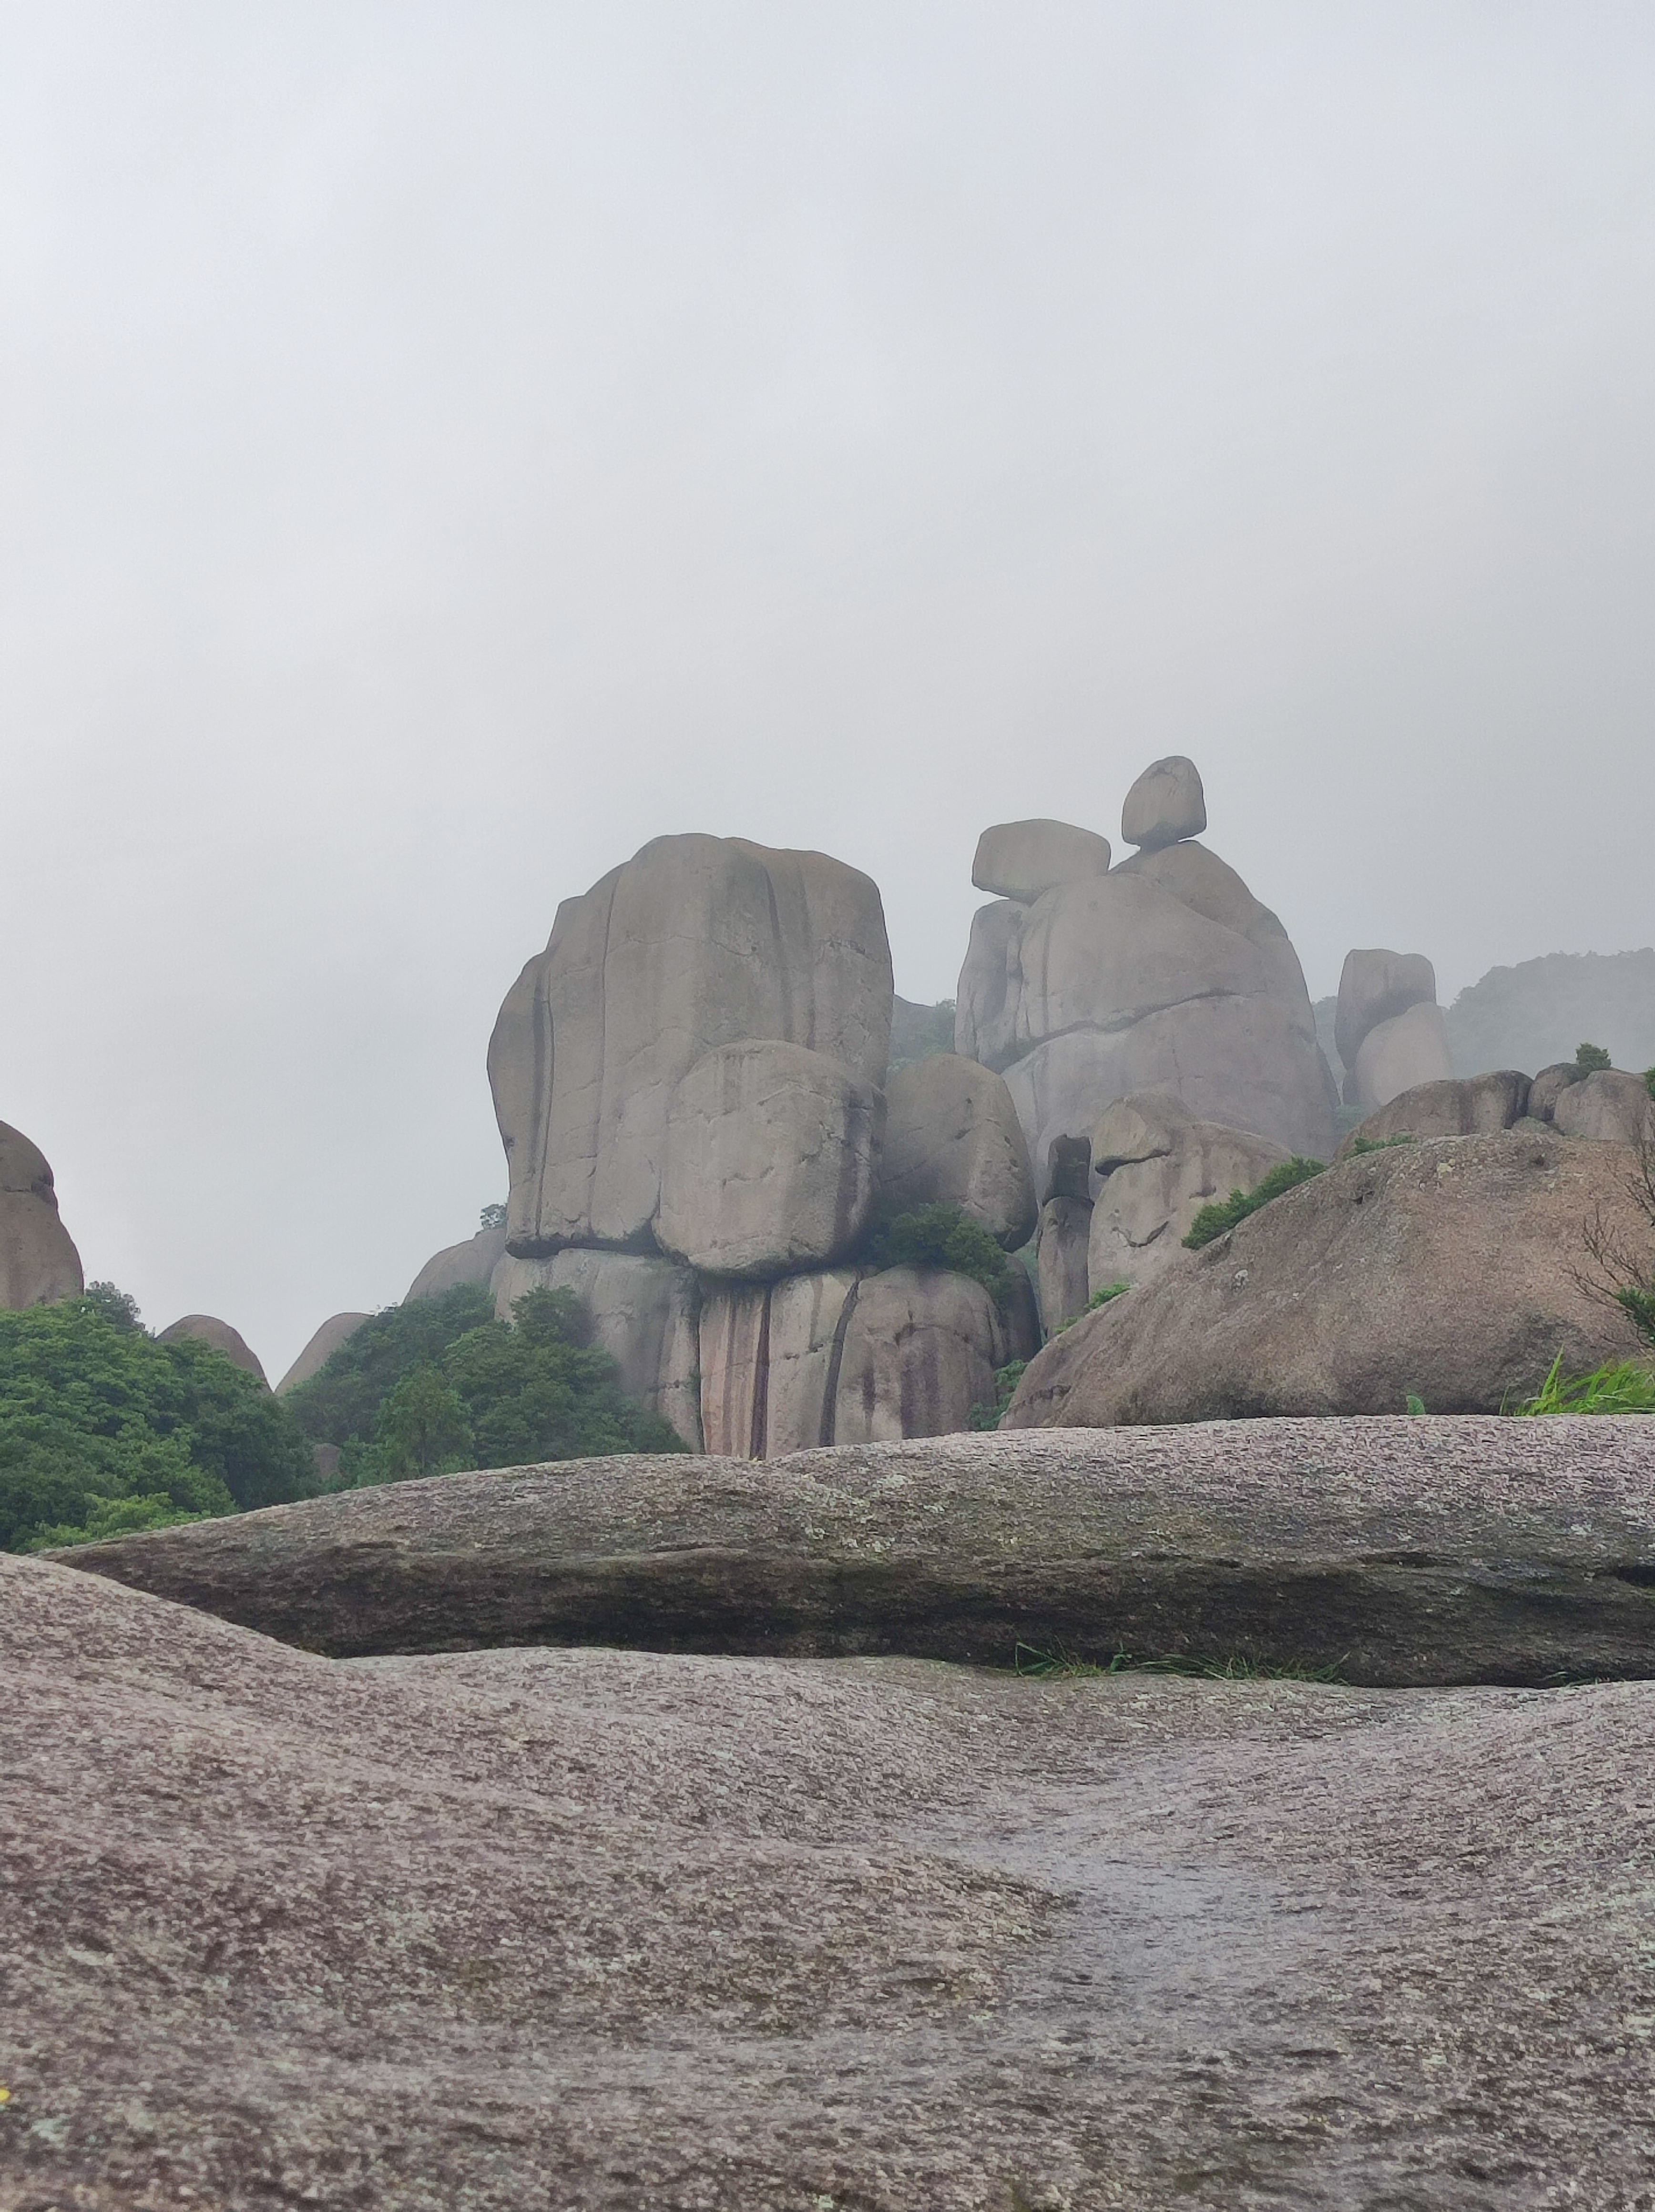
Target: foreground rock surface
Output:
[(606, 1931), (1445, 1269), (1406, 1552)]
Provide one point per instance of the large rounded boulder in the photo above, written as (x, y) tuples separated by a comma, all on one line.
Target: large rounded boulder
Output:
[(952, 1137), (38, 1263), (1454, 1271)]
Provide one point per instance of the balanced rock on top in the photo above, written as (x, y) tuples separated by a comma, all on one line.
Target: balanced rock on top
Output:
[(1167, 803)]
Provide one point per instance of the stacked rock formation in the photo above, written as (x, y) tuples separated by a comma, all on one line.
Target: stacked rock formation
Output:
[(1161, 977), (1390, 1033), (690, 1087), (39, 1262)]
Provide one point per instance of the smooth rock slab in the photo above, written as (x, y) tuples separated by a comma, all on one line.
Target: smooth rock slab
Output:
[(1020, 860), (1406, 1551), (472, 1262), (338, 1329), (604, 1931), (208, 1328)]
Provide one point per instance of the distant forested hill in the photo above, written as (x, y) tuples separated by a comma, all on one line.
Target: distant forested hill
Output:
[(1538, 1012)]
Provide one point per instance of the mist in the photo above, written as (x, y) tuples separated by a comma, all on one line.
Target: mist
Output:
[(444, 448)]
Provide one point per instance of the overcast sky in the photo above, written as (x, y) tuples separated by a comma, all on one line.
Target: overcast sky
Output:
[(444, 447)]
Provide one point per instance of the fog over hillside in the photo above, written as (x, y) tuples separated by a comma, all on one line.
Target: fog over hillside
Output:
[(444, 449)]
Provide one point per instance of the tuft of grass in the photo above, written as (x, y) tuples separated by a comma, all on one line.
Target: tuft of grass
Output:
[(1060, 1665), (1414, 1403), (1102, 1297), (1619, 1386), (1649, 1081), (1380, 1143), (1223, 1213)]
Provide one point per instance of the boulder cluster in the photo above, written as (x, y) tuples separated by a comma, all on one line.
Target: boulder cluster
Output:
[(1388, 1030), (1152, 1023), (691, 1087)]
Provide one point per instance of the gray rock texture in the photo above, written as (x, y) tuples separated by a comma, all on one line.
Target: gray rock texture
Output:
[(1549, 1086), (38, 1263), (208, 1328), (1375, 986), (472, 1262), (1061, 1265), (1160, 1166), (600, 1930), (337, 1330), (1445, 1268), (1241, 1062), (952, 1136), (1398, 1055), (1608, 1105), (695, 943), (734, 1364), (990, 985), (1020, 860), (1462, 1106), (769, 1163), (1165, 804), (644, 1314), (1411, 1550), (919, 1352)]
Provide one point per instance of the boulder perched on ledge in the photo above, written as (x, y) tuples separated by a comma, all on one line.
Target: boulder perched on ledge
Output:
[(1411, 1551)]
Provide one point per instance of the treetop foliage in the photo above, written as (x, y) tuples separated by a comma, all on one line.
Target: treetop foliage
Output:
[(942, 1235)]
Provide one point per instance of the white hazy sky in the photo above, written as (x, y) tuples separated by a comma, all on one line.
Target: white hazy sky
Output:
[(442, 446)]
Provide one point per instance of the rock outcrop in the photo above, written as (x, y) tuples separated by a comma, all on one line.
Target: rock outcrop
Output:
[(456, 1265), (696, 943), (1447, 1269), (1609, 1105), (1463, 1106), (1410, 1550), (769, 1164), (849, 1356), (1163, 973), (1061, 1262), (952, 1137), (739, 1933), (1159, 1167), (337, 1330), (38, 1263), (208, 1328), (1390, 1030)]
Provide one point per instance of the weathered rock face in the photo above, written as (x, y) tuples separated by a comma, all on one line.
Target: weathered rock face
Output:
[(952, 1136), (472, 1262), (865, 1858), (337, 1330), (1464, 1106), (1399, 1054), (644, 1314), (844, 1356), (1060, 1260), (990, 986), (1159, 1167), (1167, 803), (1020, 860), (769, 1164), (1375, 987), (38, 1263), (208, 1328), (1445, 1268), (1407, 1550), (920, 1351), (1549, 1087), (696, 943), (1608, 1105), (1240, 1062), (1163, 973)]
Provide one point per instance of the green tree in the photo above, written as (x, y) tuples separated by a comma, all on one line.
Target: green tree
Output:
[(94, 1412), (340, 1403), (1591, 1060), (421, 1429), (942, 1235)]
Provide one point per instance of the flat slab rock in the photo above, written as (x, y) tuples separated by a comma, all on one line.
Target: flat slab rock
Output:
[(1405, 1551), (632, 1932)]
